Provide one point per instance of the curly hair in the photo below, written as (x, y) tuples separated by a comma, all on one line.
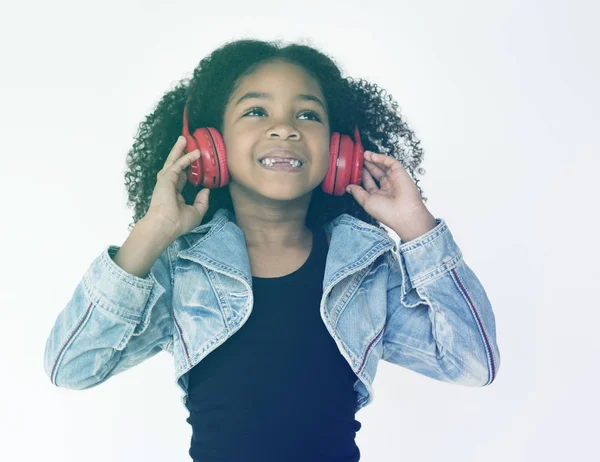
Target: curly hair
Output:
[(217, 76)]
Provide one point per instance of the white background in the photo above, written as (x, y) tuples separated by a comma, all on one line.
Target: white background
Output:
[(504, 98)]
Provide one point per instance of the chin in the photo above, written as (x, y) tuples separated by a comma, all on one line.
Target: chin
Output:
[(279, 195)]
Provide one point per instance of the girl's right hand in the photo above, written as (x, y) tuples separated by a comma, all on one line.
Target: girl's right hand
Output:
[(167, 204)]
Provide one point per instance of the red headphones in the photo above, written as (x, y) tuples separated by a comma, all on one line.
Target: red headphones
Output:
[(345, 159)]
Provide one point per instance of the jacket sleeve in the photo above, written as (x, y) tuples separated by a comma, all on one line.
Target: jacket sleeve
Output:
[(439, 321), (114, 321)]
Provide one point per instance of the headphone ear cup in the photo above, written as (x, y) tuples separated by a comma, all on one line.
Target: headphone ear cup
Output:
[(210, 170), (328, 183), (345, 166)]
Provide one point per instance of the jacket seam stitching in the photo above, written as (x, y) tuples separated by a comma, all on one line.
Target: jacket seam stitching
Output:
[(438, 272), (425, 239), (172, 277), (488, 351), (370, 347), (64, 347)]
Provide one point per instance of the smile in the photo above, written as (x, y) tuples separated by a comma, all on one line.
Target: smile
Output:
[(282, 166)]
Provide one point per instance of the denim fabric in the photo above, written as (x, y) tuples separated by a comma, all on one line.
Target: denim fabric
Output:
[(417, 305)]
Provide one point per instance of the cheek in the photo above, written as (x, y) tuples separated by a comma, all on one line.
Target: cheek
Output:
[(323, 165)]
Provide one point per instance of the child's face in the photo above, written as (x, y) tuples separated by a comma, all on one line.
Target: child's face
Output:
[(281, 121)]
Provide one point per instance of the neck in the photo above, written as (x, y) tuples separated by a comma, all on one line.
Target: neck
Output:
[(268, 232), (272, 224)]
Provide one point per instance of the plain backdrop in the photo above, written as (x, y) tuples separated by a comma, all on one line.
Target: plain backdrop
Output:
[(504, 98)]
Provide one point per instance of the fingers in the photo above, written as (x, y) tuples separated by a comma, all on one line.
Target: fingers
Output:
[(367, 180), (374, 170), (177, 149), (176, 152), (381, 159), (182, 163), (382, 166), (175, 155)]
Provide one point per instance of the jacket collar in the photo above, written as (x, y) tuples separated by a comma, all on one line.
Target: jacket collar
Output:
[(220, 244)]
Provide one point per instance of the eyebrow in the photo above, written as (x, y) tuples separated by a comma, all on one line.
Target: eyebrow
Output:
[(262, 95)]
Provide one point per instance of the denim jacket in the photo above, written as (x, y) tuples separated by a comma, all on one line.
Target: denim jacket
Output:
[(416, 304)]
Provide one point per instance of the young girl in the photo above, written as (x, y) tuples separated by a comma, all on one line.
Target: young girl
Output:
[(278, 293)]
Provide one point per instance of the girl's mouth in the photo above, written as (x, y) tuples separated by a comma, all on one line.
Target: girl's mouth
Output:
[(281, 167)]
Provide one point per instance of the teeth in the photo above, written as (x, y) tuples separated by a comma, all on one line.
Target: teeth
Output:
[(270, 161)]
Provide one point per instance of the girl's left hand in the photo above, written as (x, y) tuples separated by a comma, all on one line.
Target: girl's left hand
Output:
[(396, 200)]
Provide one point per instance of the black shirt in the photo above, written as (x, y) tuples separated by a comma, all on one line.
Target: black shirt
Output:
[(278, 389)]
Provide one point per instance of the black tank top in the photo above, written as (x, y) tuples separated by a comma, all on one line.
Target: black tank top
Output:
[(278, 389)]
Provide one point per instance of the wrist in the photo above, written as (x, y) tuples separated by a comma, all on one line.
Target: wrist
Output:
[(415, 225), (158, 226)]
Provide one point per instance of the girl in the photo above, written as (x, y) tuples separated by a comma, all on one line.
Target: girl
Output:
[(278, 293)]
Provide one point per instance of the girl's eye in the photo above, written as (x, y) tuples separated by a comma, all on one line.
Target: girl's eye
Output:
[(259, 109)]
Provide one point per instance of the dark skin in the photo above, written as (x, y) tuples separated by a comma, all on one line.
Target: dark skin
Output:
[(271, 207)]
